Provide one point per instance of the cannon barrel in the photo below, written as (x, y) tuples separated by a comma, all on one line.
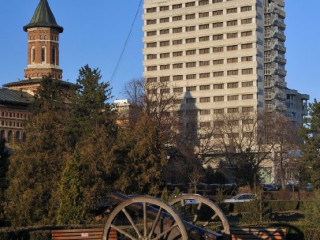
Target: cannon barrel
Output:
[(194, 232)]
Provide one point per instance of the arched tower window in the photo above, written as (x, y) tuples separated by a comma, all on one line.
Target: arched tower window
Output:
[(53, 56), (43, 54), (33, 55)]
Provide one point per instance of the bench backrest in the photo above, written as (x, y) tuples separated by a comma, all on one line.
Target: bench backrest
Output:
[(258, 233), (82, 234)]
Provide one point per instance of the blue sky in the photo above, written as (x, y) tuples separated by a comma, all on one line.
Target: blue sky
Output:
[(95, 32)]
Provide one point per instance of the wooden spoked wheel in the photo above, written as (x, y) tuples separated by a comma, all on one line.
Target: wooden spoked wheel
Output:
[(201, 212), (145, 218)]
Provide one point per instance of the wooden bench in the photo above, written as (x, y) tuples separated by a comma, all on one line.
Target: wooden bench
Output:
[(258, 233), (82, 234)]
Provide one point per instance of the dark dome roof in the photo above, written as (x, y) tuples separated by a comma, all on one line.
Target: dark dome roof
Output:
[(43, 17)]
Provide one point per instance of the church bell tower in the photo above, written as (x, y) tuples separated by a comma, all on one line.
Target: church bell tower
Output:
[(43, 44)]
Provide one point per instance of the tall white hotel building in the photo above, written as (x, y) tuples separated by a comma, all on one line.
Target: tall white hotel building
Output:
[(221, 56)]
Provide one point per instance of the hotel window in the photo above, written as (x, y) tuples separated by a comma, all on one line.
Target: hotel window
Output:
[(191, 76), (218, 111), (152, 56), (246, 46), (177, 101), (33, 55), (177, 54), (232, 10), (218, 12), (191, 88), (164, 43), (204, 87), (233, 110), (232, 48), (204, 99), (247, 109), (164, 20), (247, 71), (177, 77), (247, 121), (203, 26), (232, 23), (178, 90), (151, 21), (43, 54), (246, 21), (53, 56), (177, 6), (204, 124), (217, 62), (164, 55), (216, 1), (190, 4), (165, 79), (203, 2), (246, 33), (177, 65), (217, 49), (190, 64), (151, 33), (204, 38), (203, 14), (165, 90), (190, 52), (232, 60), (204, 50), (204, 63), (204, 75), (151, 10), (164, 8), (218, 74), (247, 96), (246, 8), (232, 85), (190, 40), (190, 100), (232, 72), (151, 80), (164, 31), (218, 86), (247, 84), (233, 98), (217, 24), (218, 98), (190, 28), (217, 37), (176, 18), (190, 16), (152, 68), (177, 30), (205, 112), (246, 59), (177, 42), (232, 35), (163, 67), (150, 45)]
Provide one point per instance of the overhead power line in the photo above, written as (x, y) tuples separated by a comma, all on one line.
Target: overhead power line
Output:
[(126, 42)]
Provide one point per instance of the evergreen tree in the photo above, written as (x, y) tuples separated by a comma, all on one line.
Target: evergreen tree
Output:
[(310, 133), (71, 207), (89, 106), (36, 166), (4, 164), (140, 158)]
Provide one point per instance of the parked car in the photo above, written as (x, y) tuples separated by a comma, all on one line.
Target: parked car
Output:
[(270, 187), (243, 197), (308, 187)]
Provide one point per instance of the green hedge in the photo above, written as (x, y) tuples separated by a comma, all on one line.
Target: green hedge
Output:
[(312, 233), (25, 235)]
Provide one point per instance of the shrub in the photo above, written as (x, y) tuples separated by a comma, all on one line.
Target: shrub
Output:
[(312, 233)]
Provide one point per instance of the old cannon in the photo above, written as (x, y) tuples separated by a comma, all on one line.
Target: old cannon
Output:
[(149, 218)]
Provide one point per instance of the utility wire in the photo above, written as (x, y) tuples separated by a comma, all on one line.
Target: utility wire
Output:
[(126, 42)]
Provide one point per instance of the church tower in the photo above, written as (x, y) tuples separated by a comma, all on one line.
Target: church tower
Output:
[(43, 44)]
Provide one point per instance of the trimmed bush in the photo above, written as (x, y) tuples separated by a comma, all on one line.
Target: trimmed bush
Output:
[(312, 233)]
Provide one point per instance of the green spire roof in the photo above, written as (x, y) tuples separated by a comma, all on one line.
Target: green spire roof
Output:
[(43, 17)]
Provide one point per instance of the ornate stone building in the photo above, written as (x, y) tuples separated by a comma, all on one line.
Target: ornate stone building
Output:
[(43, 60)]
